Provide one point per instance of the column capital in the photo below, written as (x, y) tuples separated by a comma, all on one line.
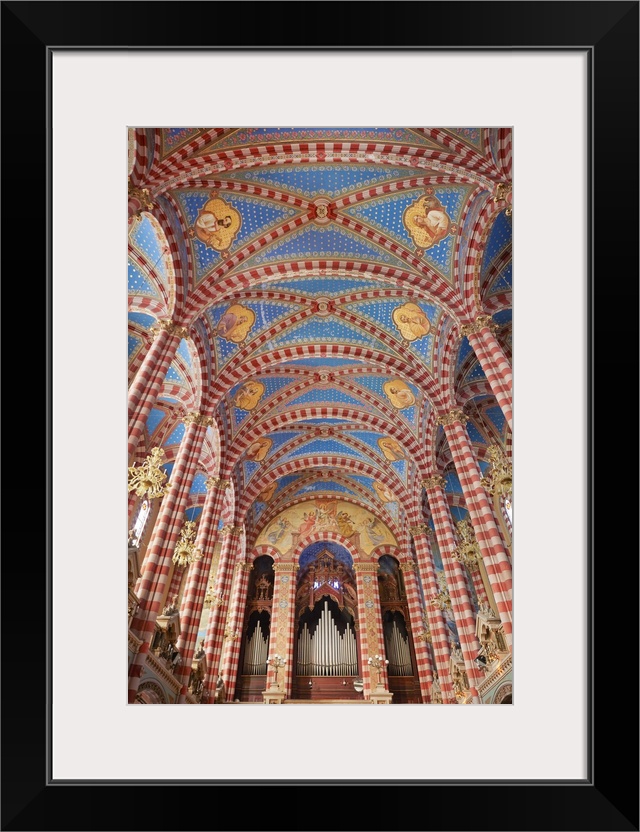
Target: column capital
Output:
[(285, 566), (234, 531), (198, 419), (143, 195), (171, 327), (408, 566), (420, 528), (481, 322), (455, 415), (217, 482), (433, 482), (365, 566), (244, 566)]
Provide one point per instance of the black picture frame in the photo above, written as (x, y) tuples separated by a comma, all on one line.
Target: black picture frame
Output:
[(608, 798)]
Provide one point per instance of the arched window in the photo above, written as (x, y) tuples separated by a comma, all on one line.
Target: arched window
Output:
[(140, 522)]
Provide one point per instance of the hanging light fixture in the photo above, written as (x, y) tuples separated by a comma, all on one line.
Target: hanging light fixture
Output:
[(185, 551), (149, 478)]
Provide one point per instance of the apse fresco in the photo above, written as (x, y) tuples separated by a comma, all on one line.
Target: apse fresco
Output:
[(326, 514)]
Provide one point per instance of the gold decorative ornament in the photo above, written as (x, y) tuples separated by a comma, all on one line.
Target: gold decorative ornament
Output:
[(455, 415), (420, 528), (467, 551), (481, 322), (408, 566), (149, 478), (233, 531), (213, 598), (198, 419), (170, 327), (185, 551), (285, 566), (231, 635), (143, 195), (433, 482), (442, 599), (217, 482), (500, 477)]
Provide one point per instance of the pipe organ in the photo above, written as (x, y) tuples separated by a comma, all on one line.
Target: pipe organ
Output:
[(396, 642), (256, 651), (326, 652)]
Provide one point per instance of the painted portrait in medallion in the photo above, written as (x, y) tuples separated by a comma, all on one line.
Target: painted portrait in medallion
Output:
[(258, 450), (236, 323), (217, 224), (384, 492), (427, 221), (266, 495), (391, 449), (398, 393), (248, 395), (410, 321)]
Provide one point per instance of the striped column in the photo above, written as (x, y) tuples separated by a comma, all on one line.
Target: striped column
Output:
[(231, 654), (424, 665), (493, 361), (437, 624), (145, 388), (153, 583), (197, 579), (176, 582), (461, 606), (370, 620), (218, 614), (281, 639), (486, 531)]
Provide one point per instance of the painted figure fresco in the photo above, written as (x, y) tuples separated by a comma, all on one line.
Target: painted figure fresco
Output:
[(322, 515), (236, 323), (398, 393), (217, 224), (383, 492), (258, 450), (266, 495), (411, 321), (427, 221), (248, 395), (392, 450)]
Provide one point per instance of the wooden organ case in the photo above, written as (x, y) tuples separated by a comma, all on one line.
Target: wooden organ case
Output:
[(252, 666), (326, 650), (398, 642)]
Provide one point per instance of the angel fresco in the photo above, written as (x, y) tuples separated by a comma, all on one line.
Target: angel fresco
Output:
[(308, 523), (383, 492), (278, 530), (374, 530), (391, 449), (411, 321), (266, 495), (398, 393), (248, 395), (345, 524), (258, 450), (217, 224), (236, 323), (427, 221)]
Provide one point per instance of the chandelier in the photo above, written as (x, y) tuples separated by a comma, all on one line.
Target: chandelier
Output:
[(467, 551), (185, 552), (149, 478)]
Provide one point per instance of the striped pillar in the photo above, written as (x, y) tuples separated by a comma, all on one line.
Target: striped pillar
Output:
[(282, 637), (231, 654), (370, 620), (219, 608), (145, 388), (424, 666), (461, 606), (176, 582), (487, 534), (493, 361), (196, 588), (437, 624), (152, 587)]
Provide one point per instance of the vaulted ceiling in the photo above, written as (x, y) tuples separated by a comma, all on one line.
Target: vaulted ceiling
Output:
[(324, 276)]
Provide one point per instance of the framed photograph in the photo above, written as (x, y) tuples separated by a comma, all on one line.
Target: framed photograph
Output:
[(548, 91)]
